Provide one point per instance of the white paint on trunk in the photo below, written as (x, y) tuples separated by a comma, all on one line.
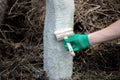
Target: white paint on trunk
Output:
[(58, 62)]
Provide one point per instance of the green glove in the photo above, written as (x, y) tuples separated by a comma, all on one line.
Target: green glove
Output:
[(77, 41)]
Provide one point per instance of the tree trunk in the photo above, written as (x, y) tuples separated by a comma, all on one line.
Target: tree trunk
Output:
[(58, 63), (3, 6)]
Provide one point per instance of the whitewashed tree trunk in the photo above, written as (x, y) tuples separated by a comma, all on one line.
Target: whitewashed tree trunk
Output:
[(58, 62), (3, 6)]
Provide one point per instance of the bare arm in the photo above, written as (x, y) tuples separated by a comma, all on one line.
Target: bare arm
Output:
[(109, 33)]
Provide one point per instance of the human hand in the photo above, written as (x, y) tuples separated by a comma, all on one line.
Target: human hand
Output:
[(77, 41)]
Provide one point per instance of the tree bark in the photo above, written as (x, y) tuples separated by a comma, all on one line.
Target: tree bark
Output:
[(3, 6), (58, 63)]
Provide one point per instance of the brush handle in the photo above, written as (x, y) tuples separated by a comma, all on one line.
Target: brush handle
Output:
[(71, 51)]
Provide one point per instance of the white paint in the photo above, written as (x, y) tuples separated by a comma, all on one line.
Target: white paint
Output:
[(58, 62)]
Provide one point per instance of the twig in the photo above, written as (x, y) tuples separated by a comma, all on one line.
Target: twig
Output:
[(13, 7)]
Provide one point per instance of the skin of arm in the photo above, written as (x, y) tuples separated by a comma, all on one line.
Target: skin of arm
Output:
[(109, 33)]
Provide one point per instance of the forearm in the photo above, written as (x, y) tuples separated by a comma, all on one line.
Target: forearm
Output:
[(109, 33)]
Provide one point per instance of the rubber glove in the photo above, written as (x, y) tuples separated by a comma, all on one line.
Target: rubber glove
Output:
[(77, 41)]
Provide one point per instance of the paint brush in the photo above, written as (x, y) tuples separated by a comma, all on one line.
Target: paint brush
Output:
[(63, 34)]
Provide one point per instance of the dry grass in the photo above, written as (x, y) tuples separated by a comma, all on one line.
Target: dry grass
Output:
[(100, 61), (21, 43)]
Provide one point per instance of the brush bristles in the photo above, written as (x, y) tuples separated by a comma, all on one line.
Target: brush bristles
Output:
[(60, 35)]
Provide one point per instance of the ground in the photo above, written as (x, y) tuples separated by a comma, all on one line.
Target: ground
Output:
[(21, 41)]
